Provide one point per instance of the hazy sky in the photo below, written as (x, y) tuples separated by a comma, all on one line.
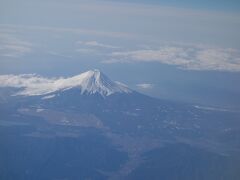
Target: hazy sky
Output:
[(186, 50)]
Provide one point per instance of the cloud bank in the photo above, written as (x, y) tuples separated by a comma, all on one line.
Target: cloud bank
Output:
[(11, 46), (32, 84), (185, 57)]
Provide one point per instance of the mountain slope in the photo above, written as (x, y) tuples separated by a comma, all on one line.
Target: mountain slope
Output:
[(90, 82)]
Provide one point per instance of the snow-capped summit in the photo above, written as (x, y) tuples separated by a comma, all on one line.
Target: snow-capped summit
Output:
[(89, 82), (94, 81)]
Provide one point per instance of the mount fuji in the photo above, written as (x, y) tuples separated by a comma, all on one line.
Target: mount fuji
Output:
[(90, 82), (90, 127)]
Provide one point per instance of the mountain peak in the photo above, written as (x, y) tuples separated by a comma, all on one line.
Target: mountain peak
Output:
[(96, 74), (94, 81), (90, 82)]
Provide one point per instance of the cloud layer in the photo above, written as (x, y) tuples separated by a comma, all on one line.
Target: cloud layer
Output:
[(11, 46), (31, 83), (186, 57)]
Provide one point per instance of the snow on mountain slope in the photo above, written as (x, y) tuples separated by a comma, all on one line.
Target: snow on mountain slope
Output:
[(90, 82)]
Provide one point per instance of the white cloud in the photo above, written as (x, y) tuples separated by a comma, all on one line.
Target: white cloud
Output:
[(14, 50), (187, 57), (76, 31), (86, 50), (145, 86), (93, 47), (31, 83), (96, 44), (11, 46)]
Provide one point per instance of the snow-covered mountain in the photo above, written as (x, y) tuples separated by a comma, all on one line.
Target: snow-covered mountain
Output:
[(90, 82)]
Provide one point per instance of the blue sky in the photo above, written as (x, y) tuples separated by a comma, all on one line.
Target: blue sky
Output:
[(182, 50)]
